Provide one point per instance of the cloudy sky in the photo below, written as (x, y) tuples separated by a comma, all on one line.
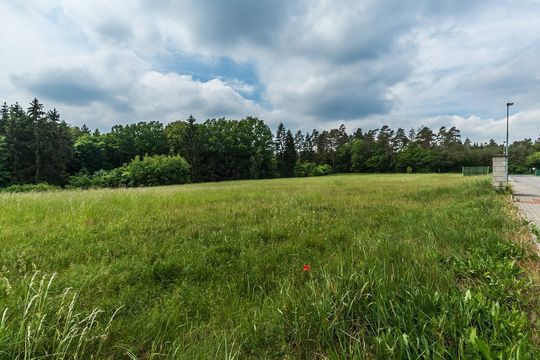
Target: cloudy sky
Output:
[(307, 63)]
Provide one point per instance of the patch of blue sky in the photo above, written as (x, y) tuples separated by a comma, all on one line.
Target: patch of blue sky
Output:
[(241, 76)]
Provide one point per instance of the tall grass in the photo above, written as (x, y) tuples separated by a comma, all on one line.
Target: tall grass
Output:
[(49, 326), (400, 267)]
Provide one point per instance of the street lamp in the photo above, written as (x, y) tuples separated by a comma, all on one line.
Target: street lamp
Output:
[(508, 104)]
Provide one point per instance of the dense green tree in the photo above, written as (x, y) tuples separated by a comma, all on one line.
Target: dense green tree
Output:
[(425, 137), (90, 154), (4, 170), (57, 151), (20, 142), (124, 142), (308, 148), (299, 139), (418, 158), (400, 140), (279, 142), (518, 152), (289, 156), (191, 147), (4, 113), (533, 160), (37, 116)]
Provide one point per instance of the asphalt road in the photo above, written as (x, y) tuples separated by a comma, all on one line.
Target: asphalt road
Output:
[(527, 196)]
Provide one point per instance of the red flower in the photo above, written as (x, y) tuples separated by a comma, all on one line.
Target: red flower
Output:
[(307, 267)]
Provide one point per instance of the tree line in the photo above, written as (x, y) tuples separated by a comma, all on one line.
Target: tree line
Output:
[(36, 146)]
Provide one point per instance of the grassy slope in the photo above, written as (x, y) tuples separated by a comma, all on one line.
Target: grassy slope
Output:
[(401, 266)]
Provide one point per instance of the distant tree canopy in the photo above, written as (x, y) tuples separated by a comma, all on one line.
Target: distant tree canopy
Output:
[(36, 147)]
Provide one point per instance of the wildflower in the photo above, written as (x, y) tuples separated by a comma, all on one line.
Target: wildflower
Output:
[(307, 267)]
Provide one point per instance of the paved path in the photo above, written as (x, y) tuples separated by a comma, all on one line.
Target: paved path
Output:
[(527, 196)]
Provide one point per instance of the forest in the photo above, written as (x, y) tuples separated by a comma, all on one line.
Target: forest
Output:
[(37, 147)]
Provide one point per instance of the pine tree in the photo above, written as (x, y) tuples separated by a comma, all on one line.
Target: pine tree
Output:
[(425, 137), (299, 143), (4, 113), (4, 171), (400, 140), (279, 142), (36, 114), (19, 131), (58, 151), (289, 156), (191, 148), (308, 152)]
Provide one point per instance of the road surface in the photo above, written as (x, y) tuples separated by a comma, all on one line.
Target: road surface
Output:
[(527, 196)]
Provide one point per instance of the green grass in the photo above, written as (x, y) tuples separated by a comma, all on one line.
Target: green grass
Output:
[(402, 266)]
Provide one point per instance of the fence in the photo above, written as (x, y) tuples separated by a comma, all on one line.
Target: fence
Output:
[(475, 170)]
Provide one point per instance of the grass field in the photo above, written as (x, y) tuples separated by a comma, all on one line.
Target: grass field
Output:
[(401, 266)]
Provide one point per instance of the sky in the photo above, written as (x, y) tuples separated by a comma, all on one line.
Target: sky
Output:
[(306, 63)]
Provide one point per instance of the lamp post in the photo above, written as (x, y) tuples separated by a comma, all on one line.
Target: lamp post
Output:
[(508, 104)]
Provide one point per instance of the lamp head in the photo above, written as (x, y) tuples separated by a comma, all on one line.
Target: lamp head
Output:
[(509, 104)]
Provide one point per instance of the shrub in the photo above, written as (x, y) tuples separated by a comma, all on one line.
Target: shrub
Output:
[(156, 170), (108, 178), (82, 180), (304, 169), (149, 171), (41, 187)]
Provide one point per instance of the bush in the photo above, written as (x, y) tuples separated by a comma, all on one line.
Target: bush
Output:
[(41, 187), (149, 171), (156, 170), (311, 169), (82, 180), (108, 178)]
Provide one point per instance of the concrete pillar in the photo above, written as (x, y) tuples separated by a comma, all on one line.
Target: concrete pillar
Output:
[(499, 171)]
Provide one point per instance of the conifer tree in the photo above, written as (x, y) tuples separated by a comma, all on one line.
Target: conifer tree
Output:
[(4, 171), (4, 112), (279, 143), (36, 114), (20, 141), (289, 156), (190, 147)]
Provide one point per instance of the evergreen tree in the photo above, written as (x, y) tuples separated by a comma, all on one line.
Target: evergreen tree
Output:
[(299, 143), (425, 137), (20, 142), (400, 140), (4, 113), (4, 170), (59, 151), (307, 150), (36, 115), (289, 156), (191, 152), (279, 142)]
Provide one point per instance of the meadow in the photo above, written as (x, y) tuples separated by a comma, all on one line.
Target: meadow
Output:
[(350, 266)]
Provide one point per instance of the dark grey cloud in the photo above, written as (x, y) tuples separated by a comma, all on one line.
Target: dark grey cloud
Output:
[(227, 23), (69, 86)]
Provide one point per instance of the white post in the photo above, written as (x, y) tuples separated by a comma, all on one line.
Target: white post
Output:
[(500, 172)]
